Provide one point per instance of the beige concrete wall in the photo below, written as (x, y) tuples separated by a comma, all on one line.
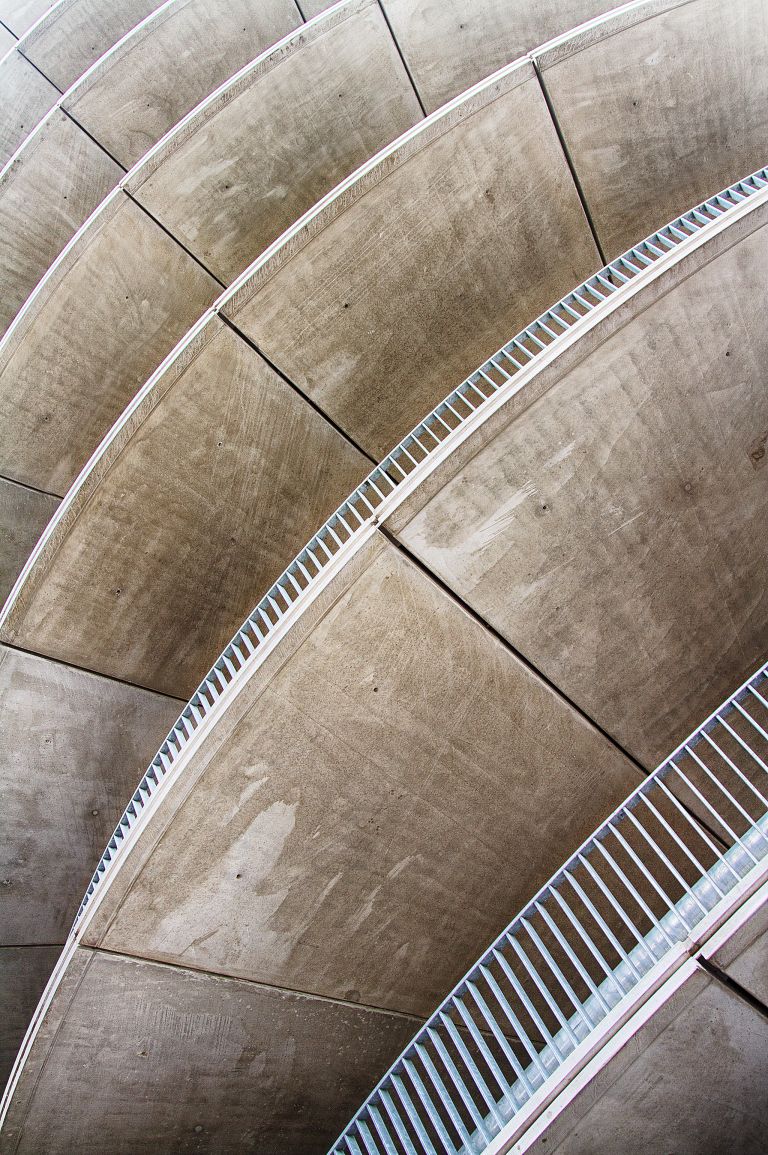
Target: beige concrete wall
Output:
[(76, 34), (451, 44), (24, 971), (274, 143), (613, 530), (24, 514), (25, 97), (221, 477), (74, 747), (475, 229), (377, 803), (156, 1058), (19, 15), (45, 195), (693, 1079), (146, 85), (116, 306), (650, 113)]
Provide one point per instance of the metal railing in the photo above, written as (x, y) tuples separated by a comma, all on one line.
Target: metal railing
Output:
[(680, 854), (497, 380)]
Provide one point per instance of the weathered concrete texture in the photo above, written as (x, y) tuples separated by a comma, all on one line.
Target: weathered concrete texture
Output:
[(387, 800), (614, 531), (652, 152), (24, 971), (77, 34), (24, 514), (694, 1079), (152, 1058), (303, 123), (411, 287), (744, 957), (151, 81), (7, 40), (451, 44), (19, 15), (221, 485), (25, 97), (116, 307), (44, 198), (73, 748)]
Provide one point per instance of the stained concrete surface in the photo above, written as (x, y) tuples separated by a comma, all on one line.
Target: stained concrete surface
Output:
[(275, 144), (614, 531), (395, 300), (44, 198), (151, 81), (24, 971), (693, 1079), (77, 34), (24, 514), (19, 15), (73, 748), (7, 40), (25, 97), (653, 151), (124, 297), (451, 44), (387, 800), (155, 1058), (744, 958), (226, 476)]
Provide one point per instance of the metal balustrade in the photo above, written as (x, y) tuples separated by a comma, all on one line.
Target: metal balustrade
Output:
[(680, 854), (498, 379)]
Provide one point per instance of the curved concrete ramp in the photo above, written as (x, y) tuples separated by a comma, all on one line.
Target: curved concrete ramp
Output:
[(277, 138), (19, 15), (613, 530), (159, 1037), (24, 514), (657, 74), (25, 97), (24, 971), (476, 228), (73, 35), (217, 477)]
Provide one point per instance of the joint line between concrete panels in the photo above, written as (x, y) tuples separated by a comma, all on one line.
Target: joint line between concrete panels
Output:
[(91, 137), (10, 31), (451, 593), (174, 238), (569, 160), (732, 985), (301, 14), (5, 644), (408, 72), (31, 488), (283, 377), (38, 70)]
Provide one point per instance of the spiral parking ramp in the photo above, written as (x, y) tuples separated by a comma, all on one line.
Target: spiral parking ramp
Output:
[(241, 336)]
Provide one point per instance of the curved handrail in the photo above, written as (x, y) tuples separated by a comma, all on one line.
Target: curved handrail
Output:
[(499, 379), (588, 950)]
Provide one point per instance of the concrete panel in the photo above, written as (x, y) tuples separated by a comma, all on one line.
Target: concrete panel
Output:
[(614, 530), (744, 957), (25, 97), (45, 195), (76, 34), (7, 40), (388, 798), (24, 971), (451, 44), (73, 747), (24, 514), (118, 304), (149, 82), (652, 152), (152, 1058), (694, 1079), (468, 236), (19, 15), (267, 150), (227, 474)]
